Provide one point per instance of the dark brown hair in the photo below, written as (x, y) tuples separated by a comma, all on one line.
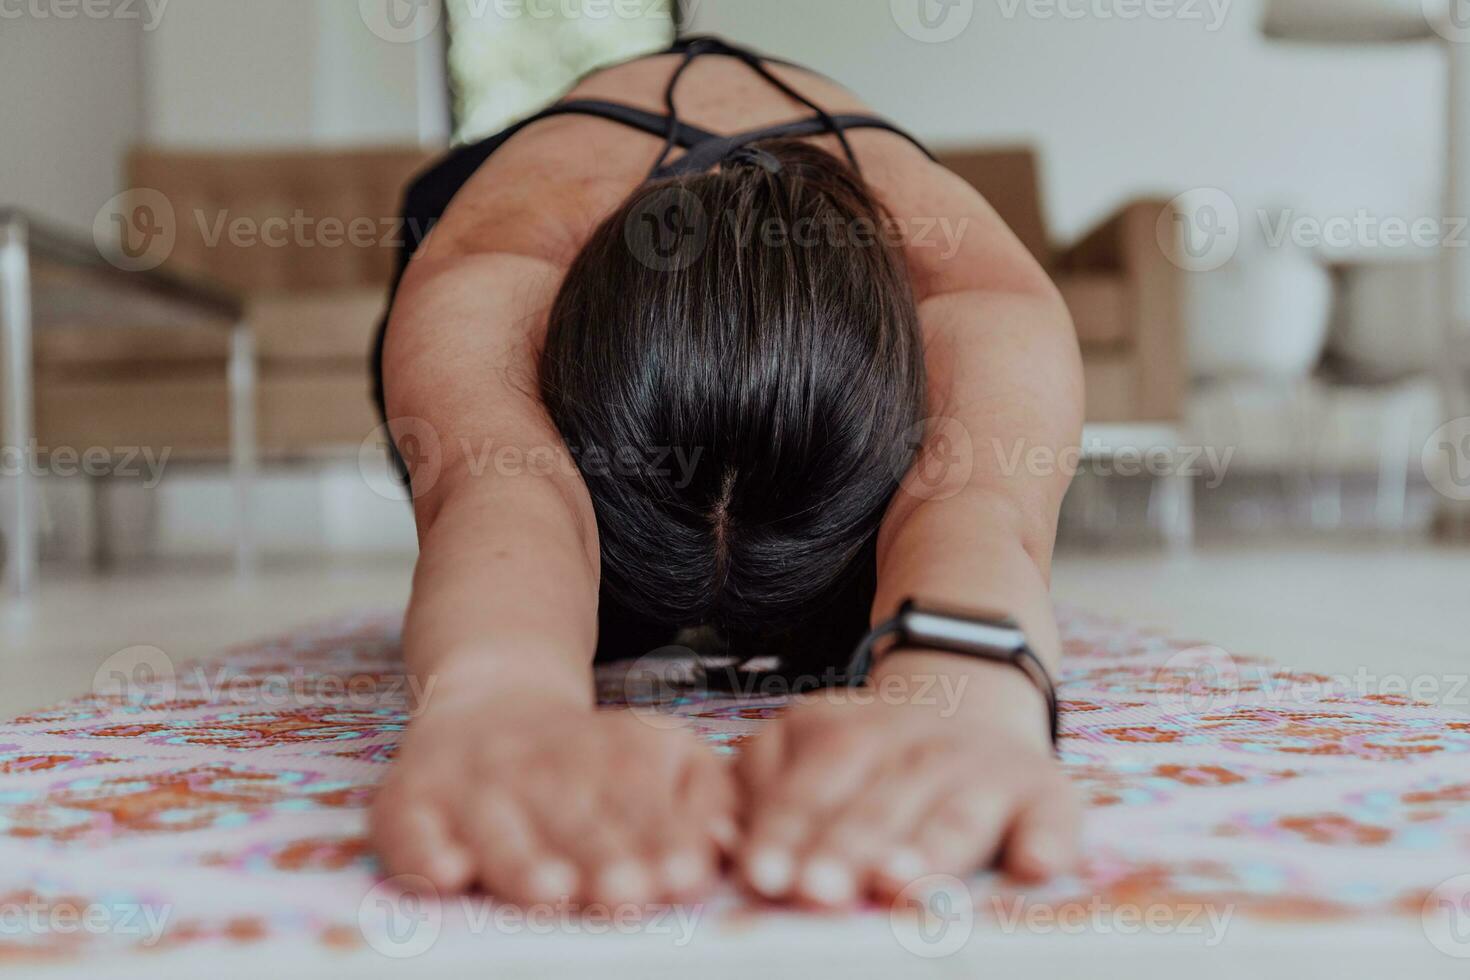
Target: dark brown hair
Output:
[(735, 360)]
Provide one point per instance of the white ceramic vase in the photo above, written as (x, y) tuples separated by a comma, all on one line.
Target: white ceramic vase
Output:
[(1265, 315)]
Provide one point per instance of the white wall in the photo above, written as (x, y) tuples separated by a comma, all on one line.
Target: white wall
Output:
[(1117, 107), (226, 73), (70, 104), (78, 91), (229, 74), (1120, 108)]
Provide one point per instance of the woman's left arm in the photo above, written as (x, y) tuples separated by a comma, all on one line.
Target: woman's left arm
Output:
[(943, 763), (976, 519)]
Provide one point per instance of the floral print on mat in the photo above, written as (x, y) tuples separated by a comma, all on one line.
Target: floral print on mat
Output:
[(224, 804)]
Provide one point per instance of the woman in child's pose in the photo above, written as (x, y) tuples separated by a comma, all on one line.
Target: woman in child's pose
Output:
[(714, 335)]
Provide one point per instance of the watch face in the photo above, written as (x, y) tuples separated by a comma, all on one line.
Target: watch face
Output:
[(955, 630)]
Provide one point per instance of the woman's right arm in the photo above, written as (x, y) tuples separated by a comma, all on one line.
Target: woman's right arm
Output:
[(506, 583), (506, 775)]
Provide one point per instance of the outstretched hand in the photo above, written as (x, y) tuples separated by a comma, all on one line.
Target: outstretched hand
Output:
[(849, 796), (547, 803), (847, 801)]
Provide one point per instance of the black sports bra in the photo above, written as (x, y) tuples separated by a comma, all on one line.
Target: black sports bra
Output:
[(703, 148)]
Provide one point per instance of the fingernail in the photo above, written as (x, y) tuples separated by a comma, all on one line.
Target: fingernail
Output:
[(1042, 864), (683, 871), (722, 831), (553, 879), (770, 872), (626, 881), (904, 865), (445, 870), (827, 881)]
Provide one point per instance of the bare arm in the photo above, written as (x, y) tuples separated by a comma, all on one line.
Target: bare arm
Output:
[(506, 585), (981, 533), (1005, 389), (507, 776), (947, 763)]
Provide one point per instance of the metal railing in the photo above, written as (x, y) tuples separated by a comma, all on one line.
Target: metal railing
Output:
[(23, 239)]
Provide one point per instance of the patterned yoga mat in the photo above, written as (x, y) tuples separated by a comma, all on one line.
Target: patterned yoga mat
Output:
[(182, 811)]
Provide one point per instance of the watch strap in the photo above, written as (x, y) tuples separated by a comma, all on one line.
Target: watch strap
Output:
[(1022, 657)]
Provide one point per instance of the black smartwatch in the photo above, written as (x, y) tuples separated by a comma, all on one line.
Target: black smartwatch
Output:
[(968, 634)]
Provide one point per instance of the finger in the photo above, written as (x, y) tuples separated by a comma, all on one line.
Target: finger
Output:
[(873, 834), (1045, 838), (758, 766), (585, 823), (620, 872), (414, 838), (708, 792), (669, 839), (762, 757), (829, 768), (963, 830), (509, 855)]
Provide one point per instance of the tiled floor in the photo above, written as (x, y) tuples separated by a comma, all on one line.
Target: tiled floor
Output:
[(1338, 605)]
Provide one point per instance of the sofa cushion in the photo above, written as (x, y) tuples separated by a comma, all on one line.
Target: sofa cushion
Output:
[(1099, 306), (297, 413), (129, 335), (86, 325), (320, 325), (1112, 388), (1009, 180)]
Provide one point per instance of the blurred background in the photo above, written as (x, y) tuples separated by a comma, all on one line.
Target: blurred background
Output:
[(1254, 210)]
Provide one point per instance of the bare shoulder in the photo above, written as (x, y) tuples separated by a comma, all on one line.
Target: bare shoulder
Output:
[(464, 331), (547, 188), (954, 240), (542, 194)]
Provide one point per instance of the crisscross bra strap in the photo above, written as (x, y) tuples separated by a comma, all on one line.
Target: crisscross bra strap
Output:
[(685, 135), (693, 48), (710, 152), (703, 148)]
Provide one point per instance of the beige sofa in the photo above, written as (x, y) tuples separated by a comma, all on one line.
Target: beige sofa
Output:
[(1125, 295), (314, 301), (147, 374)]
